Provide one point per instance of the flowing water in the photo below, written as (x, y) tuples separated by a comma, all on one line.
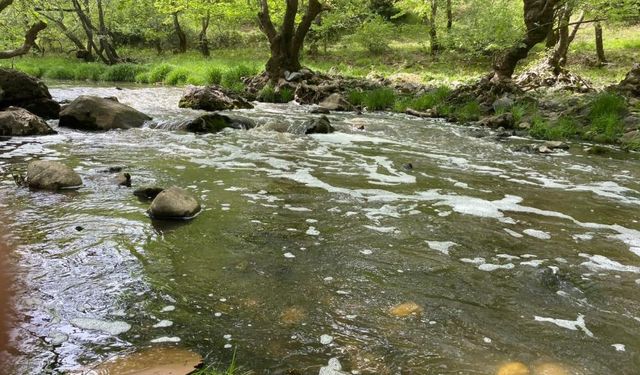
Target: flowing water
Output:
[(510, 256)]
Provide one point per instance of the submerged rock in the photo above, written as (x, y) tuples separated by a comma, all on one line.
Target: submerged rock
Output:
[(123, 179), (319, 125), (51, 175), (513, 368), (174, 203), (214, 123), (332, 368), (550, 369), (147, 193), (16, 122), (99, 114), (336, 102), (504, 120), (154, 361), (212, 98), (406, 309), (22, 90)]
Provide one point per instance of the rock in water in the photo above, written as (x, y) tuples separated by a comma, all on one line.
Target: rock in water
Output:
[(215, 122), (335, 102), (22, 90), (332, 368), (406, 309), (153, 361), (212, 98), (95, 113), (319, 125), (513, 368), (148, 193), (550, 369), (51, 175), (16, 122), (174, 203)]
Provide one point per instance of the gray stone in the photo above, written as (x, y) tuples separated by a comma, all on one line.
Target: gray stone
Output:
[(320, 125), (336, 102), (18, 89), (504, 120), (332, 368), (51, 175), (503, 104), (212, 98), (174, 203), (99, 114), (148, 193), (214, 123), (16, 122)]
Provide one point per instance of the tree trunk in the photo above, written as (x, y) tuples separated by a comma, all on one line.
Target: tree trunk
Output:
[(182, 38), (433, 32), (104, 38), (558, 59), (286, 43), (599, 44), (29, 40), (449, 16), (538, 16), (202, 38), (88, 27)]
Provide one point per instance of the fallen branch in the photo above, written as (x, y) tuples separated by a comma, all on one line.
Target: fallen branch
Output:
[(29, 40)]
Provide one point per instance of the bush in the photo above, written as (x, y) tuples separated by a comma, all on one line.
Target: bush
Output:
[(121, 73), (374, 34), (160, 72), (214, 76), (430, 100), (143, 77), (606, 114), (232, 78), (178, 76), (562, 129), (469, 111), (60, 72), (379, 99), (88, 71), (355, 97)]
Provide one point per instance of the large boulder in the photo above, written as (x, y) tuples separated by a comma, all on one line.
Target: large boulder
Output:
[(174, 203), (318, 125), (214, 123), (212, 98), (16, 122), (22, 90), (631, 83), (51, 175), (335, 102), (95, 113)]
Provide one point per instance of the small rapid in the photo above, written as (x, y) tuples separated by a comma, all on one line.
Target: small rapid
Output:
[(308, 246)]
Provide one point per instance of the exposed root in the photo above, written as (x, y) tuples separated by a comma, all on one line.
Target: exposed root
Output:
[(545, 76)]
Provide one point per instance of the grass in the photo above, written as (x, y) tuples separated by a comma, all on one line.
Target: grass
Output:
[(606, 113), (268, 94), (212, 370)]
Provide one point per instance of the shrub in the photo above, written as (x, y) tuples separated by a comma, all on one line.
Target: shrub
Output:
[(470, 111), (177, 76), (379, 99), (430, 100), (121, 73), (88, 71), (159, 73), (606, 104), (564, 128), (374, 34), (232, 78), (606, 114), (355, 97), (214, 76), (60, 72)]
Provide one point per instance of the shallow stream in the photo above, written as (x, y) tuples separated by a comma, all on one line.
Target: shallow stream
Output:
[(510, 256)]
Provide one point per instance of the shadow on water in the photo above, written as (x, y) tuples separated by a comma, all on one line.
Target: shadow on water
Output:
[(308, 248)]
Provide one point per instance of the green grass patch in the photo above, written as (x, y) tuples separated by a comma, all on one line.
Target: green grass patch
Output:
[(564, 128), (88, 72), (121, 73), (214, 75), (469, 111), (606, 113), (430, 100), (232, 77), (178, 76), (379, 99), (268, 94), (60, 72), (159, 72)]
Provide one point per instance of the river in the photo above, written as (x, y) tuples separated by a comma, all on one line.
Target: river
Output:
[(509, 256)]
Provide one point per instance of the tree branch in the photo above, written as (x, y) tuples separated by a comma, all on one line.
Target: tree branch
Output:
[(314, 9), (4, 4), (29, 40), (264, 21)]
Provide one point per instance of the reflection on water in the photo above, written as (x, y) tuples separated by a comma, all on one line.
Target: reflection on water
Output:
[(327, 246)]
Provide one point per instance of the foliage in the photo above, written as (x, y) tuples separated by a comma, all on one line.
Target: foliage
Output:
[(160, 72), (379, 99), (374, 35), (605, 115), (562, 129), (121, 73)]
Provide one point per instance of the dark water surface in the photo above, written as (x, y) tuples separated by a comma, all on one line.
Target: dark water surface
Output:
[(510, 256)]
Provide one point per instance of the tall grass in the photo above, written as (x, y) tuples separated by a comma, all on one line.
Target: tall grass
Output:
[(606, 113)]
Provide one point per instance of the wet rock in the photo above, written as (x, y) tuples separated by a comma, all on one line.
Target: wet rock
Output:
[(215, 122), (292, 315), (631, 122), (17, 122), (212, 98), (504, 120), (631, 82), (524, 126), (123, 179), (51, 175), (22, 90), (426, 114), (597, 150), (406, 309), (503, 104), (556, 145), (332, 368), (550, 369), (336, 102), (320, 125), (174, 203), (407, 166), (153, 361), (513, 368), (320, 110), (99, 114), (276, 125)]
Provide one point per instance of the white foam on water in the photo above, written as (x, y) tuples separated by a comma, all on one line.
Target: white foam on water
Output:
[(583, 237), (537, 234), (163, 324), (114, 328), (487, 340), (473, 261), (366, 252), (598, 263), (573, 325), (533, 263), (297, 209), (488, 267), (507, 257), (381, 229), (619, 347), (168, 308), (441, 246), (289, 255), (165, 339), (513, 233), (312, 231)]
